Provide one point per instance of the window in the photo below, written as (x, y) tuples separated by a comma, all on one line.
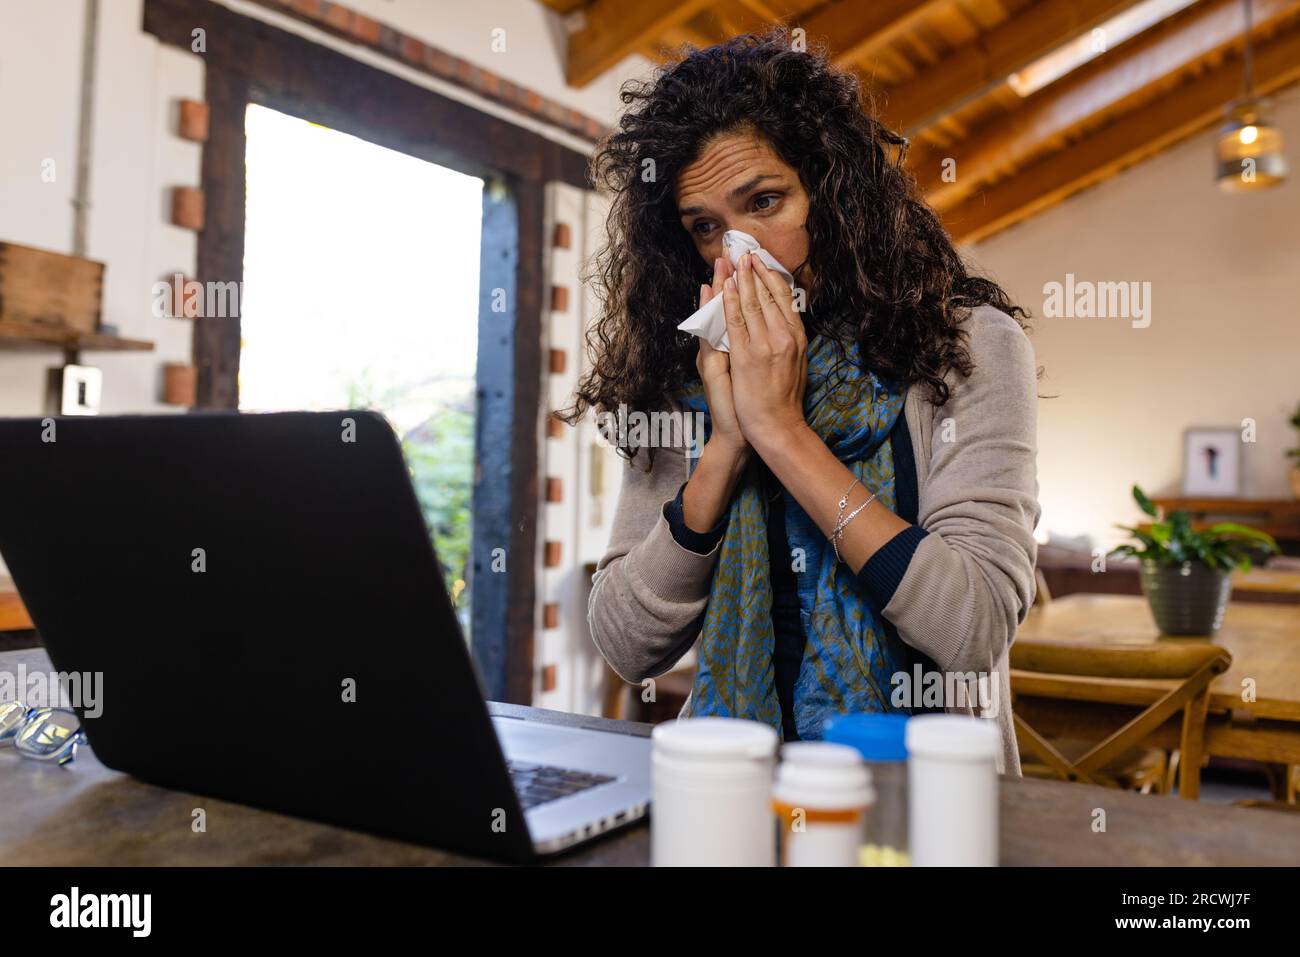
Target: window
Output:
[(361, 290)]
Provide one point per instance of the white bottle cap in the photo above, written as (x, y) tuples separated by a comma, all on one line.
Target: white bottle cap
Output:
[(953, 737), (820, 774), (714, 739)]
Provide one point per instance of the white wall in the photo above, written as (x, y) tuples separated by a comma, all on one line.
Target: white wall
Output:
[(584, 517), (135, 161), (1223, 344)]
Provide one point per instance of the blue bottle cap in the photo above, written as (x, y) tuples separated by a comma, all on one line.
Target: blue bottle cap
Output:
[(877, 736)]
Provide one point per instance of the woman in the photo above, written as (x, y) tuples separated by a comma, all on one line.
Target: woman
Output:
[(865, 499)]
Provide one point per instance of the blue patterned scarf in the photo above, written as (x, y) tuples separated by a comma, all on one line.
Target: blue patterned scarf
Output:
[(849, 658)]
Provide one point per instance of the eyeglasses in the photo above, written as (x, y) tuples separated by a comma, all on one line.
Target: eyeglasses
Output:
[(46, 734)]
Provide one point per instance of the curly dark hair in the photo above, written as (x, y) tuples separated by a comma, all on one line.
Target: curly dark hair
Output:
[(884, 270)]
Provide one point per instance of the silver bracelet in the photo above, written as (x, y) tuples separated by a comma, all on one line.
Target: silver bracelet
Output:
[(844, 501), (842, 524)]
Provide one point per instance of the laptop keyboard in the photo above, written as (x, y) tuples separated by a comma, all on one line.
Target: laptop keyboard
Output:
[(538, 783)]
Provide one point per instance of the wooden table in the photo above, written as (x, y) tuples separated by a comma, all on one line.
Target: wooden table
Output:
[(85, 814), (13, 616), (1264, 641), (1268, 581)]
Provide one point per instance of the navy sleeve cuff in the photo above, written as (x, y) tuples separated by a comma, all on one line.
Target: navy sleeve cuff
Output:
[(885, 569), (699, 542)]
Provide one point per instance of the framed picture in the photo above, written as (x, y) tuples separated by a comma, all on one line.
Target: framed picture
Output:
[(1212, 462)]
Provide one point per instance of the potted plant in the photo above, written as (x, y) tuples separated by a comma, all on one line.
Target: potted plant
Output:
[(1186, 574), (1295, 454)]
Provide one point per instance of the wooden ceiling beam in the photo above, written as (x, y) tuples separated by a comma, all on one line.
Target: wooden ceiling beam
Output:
[(691, 33), (737, 17), (615, 28), (767, 11), (853, 29), (979, 66), (1185, 111), (1096, 88), (563, 7)]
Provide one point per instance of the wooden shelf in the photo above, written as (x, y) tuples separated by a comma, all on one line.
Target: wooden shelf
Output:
[(1278, 517), (1232, 506), (16, 335)]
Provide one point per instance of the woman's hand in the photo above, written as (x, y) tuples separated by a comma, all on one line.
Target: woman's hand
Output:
[(769, 353), (726, 454), (715, 372)]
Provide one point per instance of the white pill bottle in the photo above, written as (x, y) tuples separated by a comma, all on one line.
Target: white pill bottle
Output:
[(952, 790), (712, 787)]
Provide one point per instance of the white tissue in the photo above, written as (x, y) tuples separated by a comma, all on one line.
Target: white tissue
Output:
[(709, 322)]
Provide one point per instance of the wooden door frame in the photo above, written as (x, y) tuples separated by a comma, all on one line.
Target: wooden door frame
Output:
[(250, 61)]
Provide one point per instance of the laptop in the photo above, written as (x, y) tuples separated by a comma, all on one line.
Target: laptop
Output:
[(262, 599)]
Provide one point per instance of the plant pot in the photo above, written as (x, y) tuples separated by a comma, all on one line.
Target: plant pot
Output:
[(1295, 480), (1186, 599)]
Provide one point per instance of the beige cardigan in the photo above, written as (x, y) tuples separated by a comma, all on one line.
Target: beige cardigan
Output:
[(970, 581)]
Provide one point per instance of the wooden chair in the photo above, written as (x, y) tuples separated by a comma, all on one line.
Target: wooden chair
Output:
[(1179, 677), (623, 702)]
